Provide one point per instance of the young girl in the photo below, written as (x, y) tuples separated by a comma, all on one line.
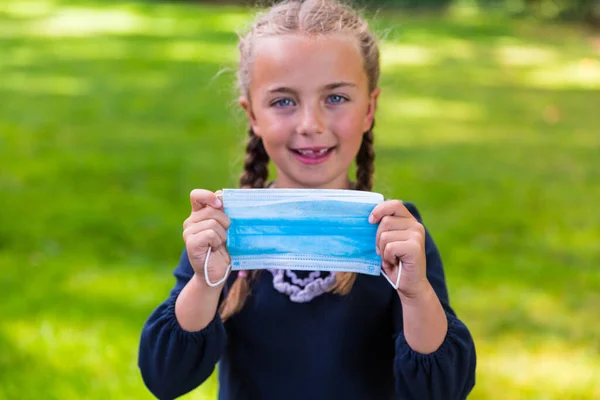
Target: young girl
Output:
[(308, 77)]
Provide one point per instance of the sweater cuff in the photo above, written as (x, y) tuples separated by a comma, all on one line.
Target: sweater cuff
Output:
[(404, 350), (196, 336)]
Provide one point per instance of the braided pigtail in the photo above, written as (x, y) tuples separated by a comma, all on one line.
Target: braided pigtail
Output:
[(365, 166), (365, 162), (255, 175), (256, 164)]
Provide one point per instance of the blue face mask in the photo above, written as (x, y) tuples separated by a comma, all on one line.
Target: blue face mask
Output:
[(302, 229)]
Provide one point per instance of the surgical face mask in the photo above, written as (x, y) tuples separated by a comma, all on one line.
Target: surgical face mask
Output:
[(302, 229)]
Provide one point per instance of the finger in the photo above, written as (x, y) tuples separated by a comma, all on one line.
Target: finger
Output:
[(392, 236), (208, 213), (209, 224), (389, 207), (200, 198), (201, 240), (396, 251), (391, 223), (389, 269), (222, 251)]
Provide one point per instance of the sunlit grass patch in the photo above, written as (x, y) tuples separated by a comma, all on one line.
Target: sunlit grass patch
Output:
[(545, 369), (584, 73)]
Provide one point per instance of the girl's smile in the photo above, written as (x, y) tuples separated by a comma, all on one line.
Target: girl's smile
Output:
[(313, 155)]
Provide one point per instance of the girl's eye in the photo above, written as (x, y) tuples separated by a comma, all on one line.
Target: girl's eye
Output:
[(283, 103), (336, 98)]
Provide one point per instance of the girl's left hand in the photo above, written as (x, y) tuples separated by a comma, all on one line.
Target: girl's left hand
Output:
[(400, 237)]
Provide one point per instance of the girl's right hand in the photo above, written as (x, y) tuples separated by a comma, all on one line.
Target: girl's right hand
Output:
[(207, 227)]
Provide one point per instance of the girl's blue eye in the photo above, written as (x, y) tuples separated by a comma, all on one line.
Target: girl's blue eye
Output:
[(336, 98), (283, 103)]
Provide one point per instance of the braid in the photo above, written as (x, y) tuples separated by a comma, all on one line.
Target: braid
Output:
[(255, 166), (365, 161), (254, 176), (236, 296)]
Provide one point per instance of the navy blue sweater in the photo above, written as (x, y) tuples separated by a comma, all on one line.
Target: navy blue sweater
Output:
[(348, 347)]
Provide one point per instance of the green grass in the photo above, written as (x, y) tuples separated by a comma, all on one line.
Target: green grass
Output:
[(110, 113)]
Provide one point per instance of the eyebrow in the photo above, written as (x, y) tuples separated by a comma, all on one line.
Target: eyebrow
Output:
[(331, 86), (339, 85)]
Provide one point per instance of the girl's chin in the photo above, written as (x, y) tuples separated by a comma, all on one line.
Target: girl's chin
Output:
[(311, 180)]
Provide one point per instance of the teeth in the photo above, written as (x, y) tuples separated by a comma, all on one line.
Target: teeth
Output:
[(311, 152)]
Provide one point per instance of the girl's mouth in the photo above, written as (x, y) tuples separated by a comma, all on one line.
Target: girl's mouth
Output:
[(312, 155)]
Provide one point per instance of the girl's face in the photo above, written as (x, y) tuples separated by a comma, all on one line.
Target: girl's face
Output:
[(310, 104)]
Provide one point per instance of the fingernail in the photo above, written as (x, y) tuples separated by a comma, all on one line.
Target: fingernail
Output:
[(377, 251), (217, 203), (371, 218)]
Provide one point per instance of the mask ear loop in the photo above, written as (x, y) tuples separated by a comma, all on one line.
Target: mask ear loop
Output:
[(397, 279), (208, 282)]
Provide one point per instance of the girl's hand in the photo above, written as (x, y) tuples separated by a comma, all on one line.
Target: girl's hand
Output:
[(400, 237), (207, 227)]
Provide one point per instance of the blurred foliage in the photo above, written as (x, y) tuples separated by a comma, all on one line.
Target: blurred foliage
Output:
[(111, 112), (587, 11), (575, 10)]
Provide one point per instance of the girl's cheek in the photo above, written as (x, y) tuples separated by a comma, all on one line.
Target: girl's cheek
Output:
[(349, 129), (277, 132), (282, 126)]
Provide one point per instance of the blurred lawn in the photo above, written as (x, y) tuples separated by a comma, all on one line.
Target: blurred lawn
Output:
[(110, 113)]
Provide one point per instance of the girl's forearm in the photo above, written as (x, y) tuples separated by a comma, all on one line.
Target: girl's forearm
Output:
[(425, 322), (197, 304)]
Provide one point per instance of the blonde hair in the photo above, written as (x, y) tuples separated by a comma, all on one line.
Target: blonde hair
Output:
[(310, 17)]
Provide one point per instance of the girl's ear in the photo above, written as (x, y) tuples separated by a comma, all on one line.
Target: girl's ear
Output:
[(245, 103), (371, 110)]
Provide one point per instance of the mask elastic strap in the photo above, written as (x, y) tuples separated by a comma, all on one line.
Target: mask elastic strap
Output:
[(397, 280), (208, 282)]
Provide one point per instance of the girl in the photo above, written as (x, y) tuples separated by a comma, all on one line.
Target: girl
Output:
[(308, 77)]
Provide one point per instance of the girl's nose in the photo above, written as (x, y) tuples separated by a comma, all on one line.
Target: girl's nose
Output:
[(312, 121)]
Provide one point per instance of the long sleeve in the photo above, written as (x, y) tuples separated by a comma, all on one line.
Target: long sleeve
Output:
[(173, 361), (449, 372)]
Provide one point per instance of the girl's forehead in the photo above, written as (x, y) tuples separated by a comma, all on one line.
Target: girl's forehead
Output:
[(307, 59)]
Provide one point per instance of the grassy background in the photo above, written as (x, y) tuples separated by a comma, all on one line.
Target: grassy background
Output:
[(110, 113)]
